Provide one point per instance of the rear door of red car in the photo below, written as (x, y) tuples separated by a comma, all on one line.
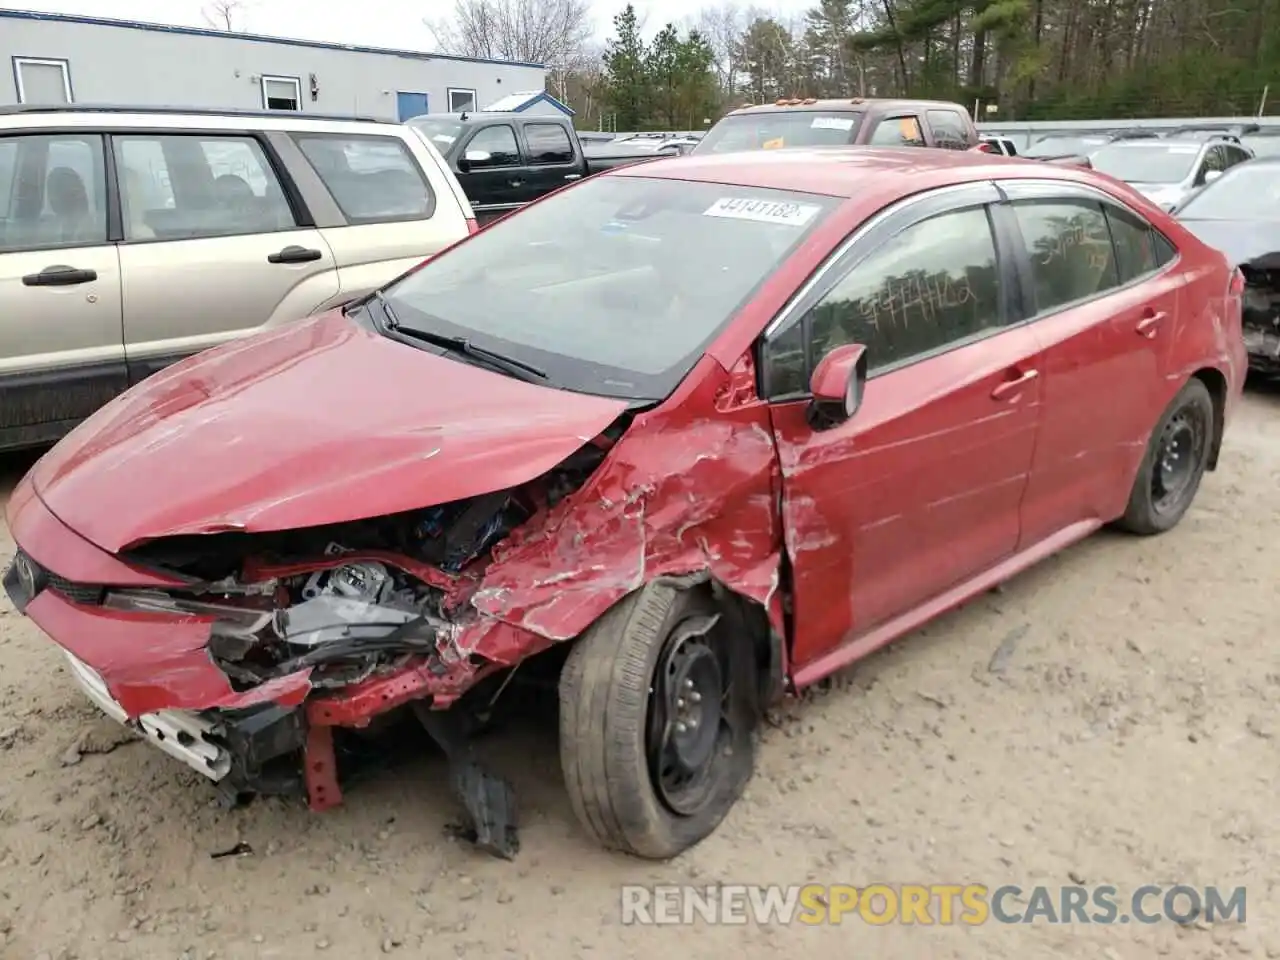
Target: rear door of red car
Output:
[(1104, 309), (921, 488)]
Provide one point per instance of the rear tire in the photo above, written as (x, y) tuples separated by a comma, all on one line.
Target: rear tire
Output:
[(644, 776), (1175, 461)]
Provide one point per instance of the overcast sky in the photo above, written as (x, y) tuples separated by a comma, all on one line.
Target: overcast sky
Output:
[(379, 23)]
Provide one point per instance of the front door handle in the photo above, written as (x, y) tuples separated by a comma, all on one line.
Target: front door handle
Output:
[(295, 254), (1149, 325), (59, 276), (573, 176), (1010, 389), (515, 183)]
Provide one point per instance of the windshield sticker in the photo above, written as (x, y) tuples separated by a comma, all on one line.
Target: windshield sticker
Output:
[(763, 211), (832, 123), (776, 143), (444, 138)]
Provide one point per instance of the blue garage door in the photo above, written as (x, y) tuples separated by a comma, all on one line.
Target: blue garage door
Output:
[(411, 105)]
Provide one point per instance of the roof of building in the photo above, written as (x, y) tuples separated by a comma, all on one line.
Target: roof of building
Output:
[(888, 172), (251, 37), (523, 100)]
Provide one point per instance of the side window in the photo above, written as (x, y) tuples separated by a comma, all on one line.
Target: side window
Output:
[(1165, 250), (372, 179), (52, 192), (1070, 250), (1214, 159), (1236, 155), (191, 187), (949, 129), (548, 143), (936, 283), (1134, 245), (498, 142), (897, 132)]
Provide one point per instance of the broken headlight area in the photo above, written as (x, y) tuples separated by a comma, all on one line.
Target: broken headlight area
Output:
[(345, 623), (346, 601), (1261, 317)]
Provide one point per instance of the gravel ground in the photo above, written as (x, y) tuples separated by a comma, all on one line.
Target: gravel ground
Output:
[(1126, 734)]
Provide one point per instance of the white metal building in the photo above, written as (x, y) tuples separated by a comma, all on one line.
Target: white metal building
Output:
[(55, 58)]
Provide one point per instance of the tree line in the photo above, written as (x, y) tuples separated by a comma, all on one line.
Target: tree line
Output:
[(1009, 59)]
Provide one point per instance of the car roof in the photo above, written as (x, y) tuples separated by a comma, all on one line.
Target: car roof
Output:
[(853, 105), (890, 172)]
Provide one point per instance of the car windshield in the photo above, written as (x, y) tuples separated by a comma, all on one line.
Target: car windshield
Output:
[(442, 133), (615, 286), (1065, 146), (1165, 163), (771, 129), (1247, 192)]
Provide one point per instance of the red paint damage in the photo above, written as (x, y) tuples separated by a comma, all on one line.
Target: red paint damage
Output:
[(689, 488)]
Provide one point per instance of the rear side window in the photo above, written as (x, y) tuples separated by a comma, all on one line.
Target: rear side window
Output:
[(548, 143), (189, 187), (949, 130), (1069, 245), (372, 179), (897, 132), (1165, 250), (1134, 247), (52, 192)]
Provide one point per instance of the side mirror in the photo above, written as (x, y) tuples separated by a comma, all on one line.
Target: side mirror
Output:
[(838, 382), (1211, 175)]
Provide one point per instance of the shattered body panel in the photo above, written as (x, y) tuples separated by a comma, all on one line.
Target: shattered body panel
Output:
[(1262, 312), (557, 526)]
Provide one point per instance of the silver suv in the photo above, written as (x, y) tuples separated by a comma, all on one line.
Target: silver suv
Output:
[(131, 237), (1168, 170)]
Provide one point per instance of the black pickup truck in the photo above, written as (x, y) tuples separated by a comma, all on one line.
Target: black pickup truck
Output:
[(505, 160)]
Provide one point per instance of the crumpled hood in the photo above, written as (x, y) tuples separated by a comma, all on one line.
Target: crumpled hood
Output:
[(316, 422), (1242, 241)]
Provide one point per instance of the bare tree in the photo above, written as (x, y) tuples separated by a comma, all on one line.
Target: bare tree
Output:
[(722, 27), (225, 14), (554, 32)]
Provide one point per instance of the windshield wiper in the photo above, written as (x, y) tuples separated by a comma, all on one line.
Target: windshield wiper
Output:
[(499, 361)]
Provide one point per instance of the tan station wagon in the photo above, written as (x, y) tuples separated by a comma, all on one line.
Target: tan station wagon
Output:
[(132, 237)]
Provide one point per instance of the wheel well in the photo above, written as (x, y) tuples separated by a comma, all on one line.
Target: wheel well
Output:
[(1217, 385), (749, 618)]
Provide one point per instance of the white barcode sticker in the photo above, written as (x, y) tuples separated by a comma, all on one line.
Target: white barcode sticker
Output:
[(832, 123), (763, 211)]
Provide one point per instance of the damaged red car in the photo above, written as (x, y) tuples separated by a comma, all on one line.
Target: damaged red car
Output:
[(685, 437)]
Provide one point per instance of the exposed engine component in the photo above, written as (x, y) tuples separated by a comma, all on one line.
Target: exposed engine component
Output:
[(1261, 317)]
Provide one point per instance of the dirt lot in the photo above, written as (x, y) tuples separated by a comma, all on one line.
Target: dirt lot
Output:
[(1130, 738)]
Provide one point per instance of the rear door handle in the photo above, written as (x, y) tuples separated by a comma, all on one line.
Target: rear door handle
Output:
[(515, 183), (59, 276), (295, 254), (1149, 325), (573, 176), (1011, 388)]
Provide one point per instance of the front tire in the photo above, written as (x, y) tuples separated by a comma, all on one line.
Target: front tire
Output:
[(1174, 463), (657, 716)]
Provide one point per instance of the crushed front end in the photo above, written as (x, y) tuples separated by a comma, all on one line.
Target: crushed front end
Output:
[(1261, 317), (250, 656)]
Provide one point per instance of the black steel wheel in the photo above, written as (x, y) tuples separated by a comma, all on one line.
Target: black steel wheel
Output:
[(658, 703), (1175, 461)]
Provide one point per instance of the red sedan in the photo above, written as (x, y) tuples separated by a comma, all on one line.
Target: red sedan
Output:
[(689, 434)]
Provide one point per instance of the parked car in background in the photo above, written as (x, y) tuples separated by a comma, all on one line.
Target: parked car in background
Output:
[(831, 123), (679, 438), (1263, 143), (1001, 145), (505, 160), (1239, 213), (1211, 131), (133, 237), (1167, 171), (1075, 148)]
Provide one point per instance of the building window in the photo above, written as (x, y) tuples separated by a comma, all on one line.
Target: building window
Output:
[(462, 100), (281, 93), (42, 80)]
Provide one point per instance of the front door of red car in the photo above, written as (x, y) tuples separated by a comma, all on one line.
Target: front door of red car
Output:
[(921, 488), (1105, 313)]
